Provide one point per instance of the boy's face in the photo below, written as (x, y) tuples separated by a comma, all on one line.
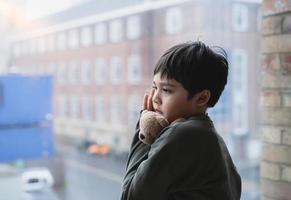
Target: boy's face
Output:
[(170, 99)]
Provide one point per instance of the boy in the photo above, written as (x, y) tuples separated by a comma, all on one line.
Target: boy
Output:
[(189, 160)]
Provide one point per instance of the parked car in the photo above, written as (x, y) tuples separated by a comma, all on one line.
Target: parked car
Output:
[(36, 179)]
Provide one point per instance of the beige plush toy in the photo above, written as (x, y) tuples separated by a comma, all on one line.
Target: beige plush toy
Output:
[(150, 124)]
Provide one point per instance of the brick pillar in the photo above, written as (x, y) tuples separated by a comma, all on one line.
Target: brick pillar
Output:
[(275, 101)]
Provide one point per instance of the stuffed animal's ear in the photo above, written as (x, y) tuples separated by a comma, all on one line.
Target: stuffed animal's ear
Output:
[(162, 121)]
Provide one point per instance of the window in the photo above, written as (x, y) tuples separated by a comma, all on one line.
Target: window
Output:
[(100, 72), (174, 20), (240, 91), (116, 70), (100, 33), (50, 43), (133, 27), (41, 45), (62, 106), (115, 28), (15, 49), (100, 109), (134, 69), (134, 107), (73, 72), (116, 109), (86, 72), (32, 46), (87, 107), (86, 36), (61, 41), (61, 73), (74, 106), (73, 38), (240, 17)]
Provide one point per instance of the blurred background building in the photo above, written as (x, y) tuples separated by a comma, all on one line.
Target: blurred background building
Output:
[(102, 58)]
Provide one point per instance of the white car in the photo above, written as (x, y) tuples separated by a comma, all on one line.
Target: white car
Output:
[(36, 179)]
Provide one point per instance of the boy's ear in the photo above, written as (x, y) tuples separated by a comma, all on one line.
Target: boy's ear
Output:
[(202, 97)]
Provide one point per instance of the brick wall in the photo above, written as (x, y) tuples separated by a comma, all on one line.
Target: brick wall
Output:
[(275, 102)]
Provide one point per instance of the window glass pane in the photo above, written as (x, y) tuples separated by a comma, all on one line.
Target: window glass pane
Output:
[(173, 20), (86, 36), (133, 27), (115, 28), (100, 33)]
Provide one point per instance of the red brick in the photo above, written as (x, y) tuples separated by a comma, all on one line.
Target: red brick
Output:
[(286, 25), (286, 99), (286, 62), (286, 173), (276, 44), (270, 99), (272, 7), (286, 136), (276, 116), (271, 61), (276, 190), (270, 170), (276, 153), (272, 25), (267, 198), (270, 80), (271, 134)]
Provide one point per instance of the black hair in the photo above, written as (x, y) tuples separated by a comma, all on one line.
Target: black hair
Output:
[(197, 67)]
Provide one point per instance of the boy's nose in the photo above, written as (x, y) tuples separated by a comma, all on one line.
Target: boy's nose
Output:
[(156, 99)]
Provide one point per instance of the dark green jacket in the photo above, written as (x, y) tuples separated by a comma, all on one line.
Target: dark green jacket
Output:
[(188, 161)]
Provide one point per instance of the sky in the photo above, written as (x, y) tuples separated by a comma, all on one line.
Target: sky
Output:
[(40, 8)]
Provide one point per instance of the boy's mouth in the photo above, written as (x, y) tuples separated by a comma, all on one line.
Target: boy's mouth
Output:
[(158, 111)]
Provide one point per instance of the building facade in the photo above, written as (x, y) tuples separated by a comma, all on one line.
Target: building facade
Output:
[(103, 63)]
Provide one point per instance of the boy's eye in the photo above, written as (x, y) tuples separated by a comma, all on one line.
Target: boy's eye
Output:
[(167, 90), (154, 87)]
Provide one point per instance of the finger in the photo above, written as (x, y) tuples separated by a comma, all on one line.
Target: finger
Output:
[(150, 100), (145, 101)]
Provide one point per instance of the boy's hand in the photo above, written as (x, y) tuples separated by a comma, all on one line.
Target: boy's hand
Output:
[(148, 100)]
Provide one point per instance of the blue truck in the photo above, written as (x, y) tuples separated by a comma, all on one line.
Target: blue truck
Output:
[(26, 117)]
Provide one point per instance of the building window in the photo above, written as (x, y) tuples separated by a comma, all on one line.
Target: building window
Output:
[(73, 72), (174, 21), (100, 109), (240, 91), (41, 45), (61, 41), (240, 17), (87, 107), (115, 30), (16, 49), (61, 73), (73, 38), (134, 107), (50, 43), (133, 29), (86, 72), (86, 36), (100, 72), (74, 107), (62, 106), (32, 46), (116, 109), (116, 70), (134, 69), (100, 33)]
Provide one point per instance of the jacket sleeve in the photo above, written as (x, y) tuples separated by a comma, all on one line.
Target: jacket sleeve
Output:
[(170, 159)]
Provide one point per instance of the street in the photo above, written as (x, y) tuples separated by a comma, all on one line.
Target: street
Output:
[(90, 176)]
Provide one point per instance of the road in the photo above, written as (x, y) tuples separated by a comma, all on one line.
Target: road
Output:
[(88, 177)]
